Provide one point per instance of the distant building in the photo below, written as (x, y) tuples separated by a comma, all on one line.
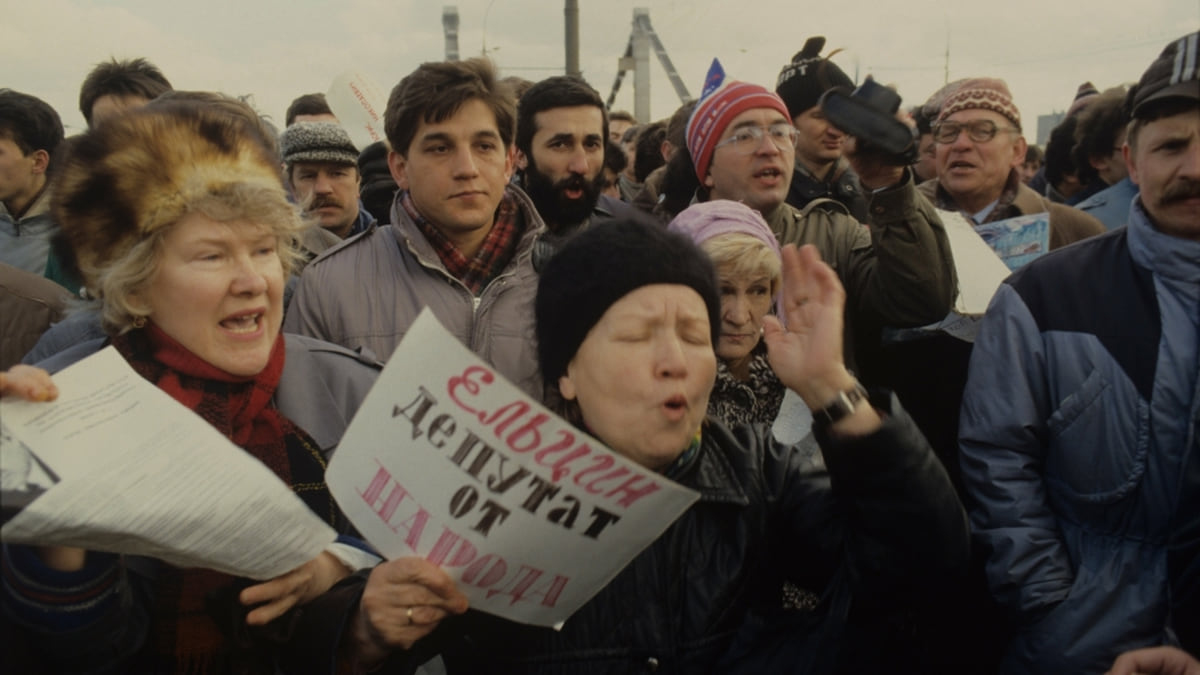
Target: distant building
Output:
[(1046, 124)]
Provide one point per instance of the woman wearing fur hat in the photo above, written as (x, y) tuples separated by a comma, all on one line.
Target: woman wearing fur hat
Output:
[(181, 226), (627, 318)]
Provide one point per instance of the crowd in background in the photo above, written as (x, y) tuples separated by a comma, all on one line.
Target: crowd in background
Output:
[(743, 297)]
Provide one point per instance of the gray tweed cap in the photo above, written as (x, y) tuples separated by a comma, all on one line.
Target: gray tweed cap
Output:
[(317, 142)]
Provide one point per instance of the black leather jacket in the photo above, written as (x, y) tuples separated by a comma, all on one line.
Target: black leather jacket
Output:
[(865, 514)]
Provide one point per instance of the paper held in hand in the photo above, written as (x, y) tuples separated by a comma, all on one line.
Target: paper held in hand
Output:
[(139, 473), (447, 461)]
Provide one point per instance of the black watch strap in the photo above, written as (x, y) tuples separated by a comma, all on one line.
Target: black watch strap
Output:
[(843, 405)]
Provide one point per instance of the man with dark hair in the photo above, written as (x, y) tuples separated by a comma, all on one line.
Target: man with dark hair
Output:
[(114, 86), (321, 166), (926, 165), (1099, 138), (309, 108), (461, 236), (1081, 419), (561, 132), (614, 163), (30, 132), (821, 172), (619, 121)]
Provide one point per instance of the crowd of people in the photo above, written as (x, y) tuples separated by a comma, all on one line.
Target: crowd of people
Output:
[(737, 297)]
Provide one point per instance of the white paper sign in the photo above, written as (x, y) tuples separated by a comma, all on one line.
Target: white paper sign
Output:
[(358, 103), (447, 461), (141, 474), (980, 273)]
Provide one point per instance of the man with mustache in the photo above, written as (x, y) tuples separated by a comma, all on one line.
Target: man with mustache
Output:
[(562, 129), (321, 165), (1080, 428)]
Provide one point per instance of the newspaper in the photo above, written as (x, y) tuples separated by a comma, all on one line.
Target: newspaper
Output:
[(115, 464), (447, 461)]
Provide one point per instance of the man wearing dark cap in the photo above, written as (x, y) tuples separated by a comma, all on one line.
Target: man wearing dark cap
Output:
[(321, 165), (979, 150), (1081, 419), (821, 171)]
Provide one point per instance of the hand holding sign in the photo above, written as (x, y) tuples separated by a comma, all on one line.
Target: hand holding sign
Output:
[(404, 600)]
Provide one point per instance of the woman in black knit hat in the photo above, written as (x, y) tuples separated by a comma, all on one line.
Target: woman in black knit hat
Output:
[(626, 321)]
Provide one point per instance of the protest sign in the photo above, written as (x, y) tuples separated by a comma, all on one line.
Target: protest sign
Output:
[(131, 470), (358, 103), (447, 461)]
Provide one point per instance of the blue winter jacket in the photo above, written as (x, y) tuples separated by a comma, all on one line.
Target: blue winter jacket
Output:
[(1078, 420)]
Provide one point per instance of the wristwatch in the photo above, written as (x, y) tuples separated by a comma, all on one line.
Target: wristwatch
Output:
[(843, 405)]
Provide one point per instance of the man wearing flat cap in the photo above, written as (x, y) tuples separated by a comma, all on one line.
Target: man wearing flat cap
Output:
[(321, 165), (979, 149), (1080, 428)]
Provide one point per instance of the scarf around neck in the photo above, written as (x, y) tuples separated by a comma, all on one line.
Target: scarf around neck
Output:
[(186, 636)]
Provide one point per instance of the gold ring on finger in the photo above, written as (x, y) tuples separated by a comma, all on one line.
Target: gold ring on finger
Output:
[(409, 615)]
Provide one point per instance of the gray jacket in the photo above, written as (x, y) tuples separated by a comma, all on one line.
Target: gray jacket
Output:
[(369, 290)]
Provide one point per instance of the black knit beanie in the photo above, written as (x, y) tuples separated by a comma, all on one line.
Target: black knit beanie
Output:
[(809, 75), (599, 267)]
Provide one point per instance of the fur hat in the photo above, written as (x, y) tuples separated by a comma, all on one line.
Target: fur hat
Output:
[(317, 142), (1175, 74), (599, 267), (802, 81), (981, 93), (143, 171), (721, 101)]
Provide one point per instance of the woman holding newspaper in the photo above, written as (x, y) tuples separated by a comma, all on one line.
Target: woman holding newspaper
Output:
[(182, 227), (627, 319)]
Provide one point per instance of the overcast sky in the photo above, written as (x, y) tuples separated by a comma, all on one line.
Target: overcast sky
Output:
[(277, 49)]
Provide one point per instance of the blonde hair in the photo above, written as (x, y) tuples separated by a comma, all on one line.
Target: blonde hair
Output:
[(742, 254), (120, 282)]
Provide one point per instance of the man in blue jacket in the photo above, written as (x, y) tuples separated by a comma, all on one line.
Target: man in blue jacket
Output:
[(1080, 427)]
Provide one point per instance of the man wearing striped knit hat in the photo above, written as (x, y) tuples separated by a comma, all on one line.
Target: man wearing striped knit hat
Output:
[(897, 269)]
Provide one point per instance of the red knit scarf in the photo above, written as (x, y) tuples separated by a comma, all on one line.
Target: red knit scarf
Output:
[(184, 636)]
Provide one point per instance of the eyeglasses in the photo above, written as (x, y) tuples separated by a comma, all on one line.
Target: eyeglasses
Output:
[(980, 131), (746, 140)]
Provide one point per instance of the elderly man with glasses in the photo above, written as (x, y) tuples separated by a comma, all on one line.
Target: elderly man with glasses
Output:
[(898, 271), (979, 150)]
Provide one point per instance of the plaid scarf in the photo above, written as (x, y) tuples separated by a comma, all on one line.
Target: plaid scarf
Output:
[(1004, 206), (492, 257), (185, 634)]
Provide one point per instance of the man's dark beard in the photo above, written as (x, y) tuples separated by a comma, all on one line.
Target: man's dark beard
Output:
[(555, 207)]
